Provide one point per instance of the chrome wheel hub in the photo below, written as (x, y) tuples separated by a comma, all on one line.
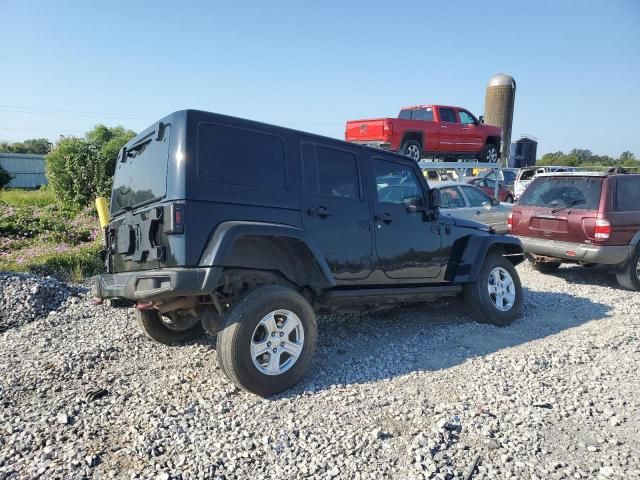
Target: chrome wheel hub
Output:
[(502, 289), (413, 152), (638, 270), (277, 342), (492, 155)]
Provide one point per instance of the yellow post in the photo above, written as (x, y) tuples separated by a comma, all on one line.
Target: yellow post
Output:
[(103, 211)]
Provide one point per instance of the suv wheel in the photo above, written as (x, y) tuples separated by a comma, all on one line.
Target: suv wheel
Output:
[(169, 328), (412, 149), (267, 340), (496, 296), (490, 153), (629, 278)]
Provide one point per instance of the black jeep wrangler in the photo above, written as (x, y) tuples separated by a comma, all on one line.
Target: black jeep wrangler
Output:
[(246, 230)]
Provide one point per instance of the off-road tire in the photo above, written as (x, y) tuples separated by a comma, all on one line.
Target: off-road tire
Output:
[(238, 326), (629, 278), (412, 149), (489, 153), (155, 329), (545, 267), (477, 296)]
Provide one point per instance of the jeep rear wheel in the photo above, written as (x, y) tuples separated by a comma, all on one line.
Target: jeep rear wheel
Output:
[(490, 153), (629, 278), (267, 340), (169, 328), (412, 149), (496, 296)]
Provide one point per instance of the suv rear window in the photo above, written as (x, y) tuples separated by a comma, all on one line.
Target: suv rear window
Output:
[(141, 176), (235, 156), (628, 193), (582, 193)]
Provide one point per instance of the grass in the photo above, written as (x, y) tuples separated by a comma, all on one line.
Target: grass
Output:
[(38, 235)]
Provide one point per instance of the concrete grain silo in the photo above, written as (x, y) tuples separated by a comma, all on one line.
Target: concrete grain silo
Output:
[(498, 109)]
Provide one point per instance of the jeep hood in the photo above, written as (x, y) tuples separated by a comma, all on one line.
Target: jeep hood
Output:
[(461, 222)]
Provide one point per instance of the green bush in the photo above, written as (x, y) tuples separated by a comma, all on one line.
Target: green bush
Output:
[(5, 178), (81, 169)]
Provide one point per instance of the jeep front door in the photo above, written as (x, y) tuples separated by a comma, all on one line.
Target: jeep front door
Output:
[(335, 210), (407, 242)]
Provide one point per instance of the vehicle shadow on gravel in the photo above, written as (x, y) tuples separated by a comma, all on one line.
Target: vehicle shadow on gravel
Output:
[(597, 275), (362, 348)]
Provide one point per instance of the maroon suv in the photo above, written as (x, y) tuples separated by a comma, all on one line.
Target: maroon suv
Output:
[(586, 218)]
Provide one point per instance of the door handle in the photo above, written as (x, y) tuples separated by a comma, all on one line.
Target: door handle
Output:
[(465, 128), (478, 212), (443, 126), (321, 212), (385, 217)]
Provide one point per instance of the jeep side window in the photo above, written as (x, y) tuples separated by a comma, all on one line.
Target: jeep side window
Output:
[(329, 172), (448, 115), (395, 183)]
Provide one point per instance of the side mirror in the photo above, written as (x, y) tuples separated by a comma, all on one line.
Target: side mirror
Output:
[(481, 118)]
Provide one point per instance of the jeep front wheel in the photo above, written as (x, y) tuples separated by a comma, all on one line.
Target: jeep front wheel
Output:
[(267, 340), (496, 296)]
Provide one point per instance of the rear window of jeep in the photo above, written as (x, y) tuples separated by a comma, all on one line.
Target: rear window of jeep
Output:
[(235, 156)]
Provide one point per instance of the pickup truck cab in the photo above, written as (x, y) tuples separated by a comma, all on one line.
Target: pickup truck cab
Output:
[(429, 131)]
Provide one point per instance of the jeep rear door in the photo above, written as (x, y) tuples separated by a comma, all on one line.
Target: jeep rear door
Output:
[(407, 243), (335, 210)]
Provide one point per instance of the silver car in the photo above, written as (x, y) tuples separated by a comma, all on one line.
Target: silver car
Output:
[(466, 201)]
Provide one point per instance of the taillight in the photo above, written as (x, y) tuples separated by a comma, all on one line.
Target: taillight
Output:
[(174, 219), (387, 128), (602, 230), (510, 222)]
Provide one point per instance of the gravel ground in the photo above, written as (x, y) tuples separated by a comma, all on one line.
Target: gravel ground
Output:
[(418, 392)]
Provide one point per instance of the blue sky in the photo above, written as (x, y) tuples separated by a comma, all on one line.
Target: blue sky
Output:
[(67, 65)]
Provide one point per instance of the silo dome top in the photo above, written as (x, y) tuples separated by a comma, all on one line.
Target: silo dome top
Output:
[(502, 80)]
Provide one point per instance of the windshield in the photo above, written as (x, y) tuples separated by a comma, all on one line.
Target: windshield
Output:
[(581, 193), (141, 175)]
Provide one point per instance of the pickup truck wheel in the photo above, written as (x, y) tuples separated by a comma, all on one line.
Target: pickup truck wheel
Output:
[(267, 340), (629, 278), (496, 296), (171, 328), (412, 149), (490, 153)]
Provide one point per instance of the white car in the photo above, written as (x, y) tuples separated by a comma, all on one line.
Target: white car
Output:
[(527, 174), (471, 203)]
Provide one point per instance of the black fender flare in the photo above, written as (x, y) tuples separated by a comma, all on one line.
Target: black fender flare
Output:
[(468, 254), (310, 270)]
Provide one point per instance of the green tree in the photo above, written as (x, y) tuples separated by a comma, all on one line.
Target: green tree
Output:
[(33, 145), (81, 169), (5, 178)]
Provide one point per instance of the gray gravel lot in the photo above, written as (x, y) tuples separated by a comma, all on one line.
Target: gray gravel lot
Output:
[(417, 392)]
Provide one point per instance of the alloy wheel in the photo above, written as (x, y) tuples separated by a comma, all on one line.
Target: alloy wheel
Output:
[(502, 289), (277, 342)]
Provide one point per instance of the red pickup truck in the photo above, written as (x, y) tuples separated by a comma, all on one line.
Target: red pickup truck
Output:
[(430, 130)]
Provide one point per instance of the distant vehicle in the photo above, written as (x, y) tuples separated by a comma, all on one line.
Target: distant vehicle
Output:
[(488, 186), (507, 176), (527, 174), (296, 224), (430, 130), (585, 218), (471, 203)]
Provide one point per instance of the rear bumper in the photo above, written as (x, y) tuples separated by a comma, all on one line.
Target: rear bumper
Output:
[(577, 252), (374, 144), (156, 284)]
